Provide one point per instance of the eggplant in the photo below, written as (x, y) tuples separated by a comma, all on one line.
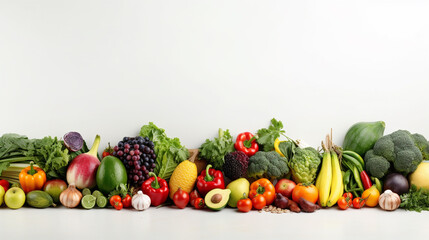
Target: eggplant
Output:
[(397, 183)]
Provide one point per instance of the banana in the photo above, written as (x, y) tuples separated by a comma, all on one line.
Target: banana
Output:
[(325, 176), (337, 187)]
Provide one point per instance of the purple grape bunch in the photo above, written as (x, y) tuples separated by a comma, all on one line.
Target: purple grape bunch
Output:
[(138, 156)]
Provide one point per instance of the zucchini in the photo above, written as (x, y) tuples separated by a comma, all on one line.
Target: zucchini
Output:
[(362, 136), (39, 199)]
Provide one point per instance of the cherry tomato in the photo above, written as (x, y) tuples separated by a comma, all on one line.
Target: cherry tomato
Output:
[(259, 202), (348, 194), (358, 202), (344, 203), (308, 192), (192, 196), (181, 198), (126, 201), (5, 184), (108, 151), (244, 205), (116, 202), (199, 203)]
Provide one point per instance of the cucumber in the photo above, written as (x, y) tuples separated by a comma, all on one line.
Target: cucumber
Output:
[(362, 136), (39, 199)]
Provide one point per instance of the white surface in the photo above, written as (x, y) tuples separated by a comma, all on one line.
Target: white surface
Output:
[(108, 67), (169, 223)]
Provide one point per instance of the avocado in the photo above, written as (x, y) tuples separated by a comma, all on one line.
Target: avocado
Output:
[(217, 198), (110, 174)]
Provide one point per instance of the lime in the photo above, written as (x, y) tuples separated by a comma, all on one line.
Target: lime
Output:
[(88, 201), (101, 201), (97, 194), (86, 191)]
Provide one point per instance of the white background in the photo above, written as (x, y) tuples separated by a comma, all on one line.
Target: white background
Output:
[(108, 67)]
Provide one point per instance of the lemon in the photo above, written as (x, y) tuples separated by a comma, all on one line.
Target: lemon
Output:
[(184, 176), (420, 177)]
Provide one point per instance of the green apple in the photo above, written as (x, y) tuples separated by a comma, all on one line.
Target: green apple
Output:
[(238, 188), (1, 195), (14, 198)]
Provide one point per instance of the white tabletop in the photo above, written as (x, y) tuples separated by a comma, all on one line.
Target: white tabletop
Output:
[(189, 223)]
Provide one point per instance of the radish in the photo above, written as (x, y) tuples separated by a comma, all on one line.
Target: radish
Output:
[(83, 169)]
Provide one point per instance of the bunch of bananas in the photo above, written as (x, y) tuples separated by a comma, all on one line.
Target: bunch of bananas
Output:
[(330, 179)]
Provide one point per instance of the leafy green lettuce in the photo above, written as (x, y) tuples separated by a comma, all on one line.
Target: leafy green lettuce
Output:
[(48, 153), (169, 151)]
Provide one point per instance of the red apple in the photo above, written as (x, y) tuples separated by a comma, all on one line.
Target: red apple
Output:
[(83, 169), (285, 187), (54, 188)]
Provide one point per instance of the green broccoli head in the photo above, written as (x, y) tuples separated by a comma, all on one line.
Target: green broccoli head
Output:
[(401, 150), (304, 165), (267, 165), (376, 166)]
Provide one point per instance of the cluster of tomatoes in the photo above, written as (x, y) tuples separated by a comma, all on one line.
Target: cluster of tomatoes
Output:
[(347, 200)]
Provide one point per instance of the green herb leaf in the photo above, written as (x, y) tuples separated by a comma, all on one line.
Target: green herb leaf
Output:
[(214, 151), (267, 136), (415, 200)]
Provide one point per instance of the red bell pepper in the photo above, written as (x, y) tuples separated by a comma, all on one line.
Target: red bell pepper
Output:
[(156, 188), (210, 179), (246, 143)]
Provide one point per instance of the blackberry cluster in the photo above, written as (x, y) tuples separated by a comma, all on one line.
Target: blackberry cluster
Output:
[(236, 164), (138, 156)]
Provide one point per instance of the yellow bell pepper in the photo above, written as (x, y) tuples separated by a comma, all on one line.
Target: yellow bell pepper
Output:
[(276, 146)]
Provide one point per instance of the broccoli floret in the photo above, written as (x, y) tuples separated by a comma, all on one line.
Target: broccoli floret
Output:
[(384, 147), (267, 165), (399, 151), (422, 144), (407, 160), (376, 166), (304, 165)]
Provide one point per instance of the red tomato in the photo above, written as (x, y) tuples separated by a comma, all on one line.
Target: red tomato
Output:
[(348, 194), (358, 202), (126, 201), (244, 205), (199, 203), (5, 184), (181, 198), (116, 202), (344, 203), (259, 202), (192, 196)]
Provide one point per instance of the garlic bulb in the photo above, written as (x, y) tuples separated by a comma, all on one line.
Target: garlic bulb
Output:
[(140, 201), (70, 197), (389, 200)]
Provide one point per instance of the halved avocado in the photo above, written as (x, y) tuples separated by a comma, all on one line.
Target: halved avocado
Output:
[(217, 198)]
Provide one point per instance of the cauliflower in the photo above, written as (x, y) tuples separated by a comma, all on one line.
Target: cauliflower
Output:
[(304, 165), (399, 151)]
